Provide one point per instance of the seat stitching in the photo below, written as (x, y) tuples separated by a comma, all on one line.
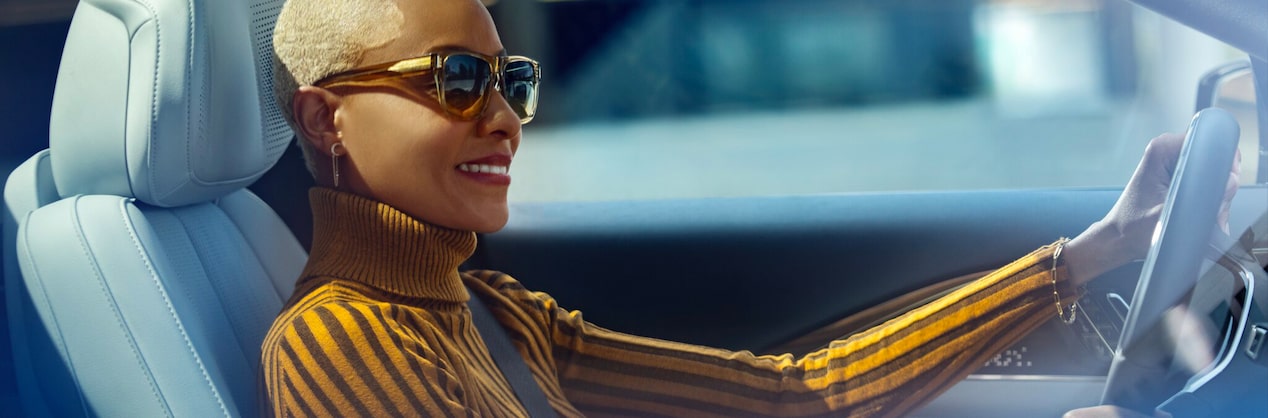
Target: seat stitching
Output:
[(154, 144), (61, 343), (154, 91), (114, 304), (190, 42), (171, 310)]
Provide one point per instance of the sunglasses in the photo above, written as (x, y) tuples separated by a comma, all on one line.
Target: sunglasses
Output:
[(461, 81)]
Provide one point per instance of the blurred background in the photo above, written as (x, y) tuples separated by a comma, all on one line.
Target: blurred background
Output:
[(674, 98), (650, 99)]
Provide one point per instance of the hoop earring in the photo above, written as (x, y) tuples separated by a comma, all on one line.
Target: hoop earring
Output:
[(334, 160)]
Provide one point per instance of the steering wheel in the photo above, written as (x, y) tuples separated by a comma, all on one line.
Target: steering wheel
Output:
[(1171, 269)]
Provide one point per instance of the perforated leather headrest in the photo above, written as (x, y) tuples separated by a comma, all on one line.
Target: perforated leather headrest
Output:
[(152, 103)]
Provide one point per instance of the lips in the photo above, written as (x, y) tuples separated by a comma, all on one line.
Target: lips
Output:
[(493, 170)]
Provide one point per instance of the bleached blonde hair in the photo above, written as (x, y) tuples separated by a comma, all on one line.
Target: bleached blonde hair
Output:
[(316, 38)]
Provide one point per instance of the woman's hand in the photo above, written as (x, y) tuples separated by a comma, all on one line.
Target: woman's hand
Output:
[(1127, 231)]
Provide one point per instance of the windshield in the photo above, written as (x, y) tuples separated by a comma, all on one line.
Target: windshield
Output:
[(710, 98)]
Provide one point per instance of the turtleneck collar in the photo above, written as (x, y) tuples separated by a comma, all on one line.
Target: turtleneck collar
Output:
[(355, 238)]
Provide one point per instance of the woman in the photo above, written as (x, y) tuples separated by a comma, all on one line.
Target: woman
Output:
[(410, 170)]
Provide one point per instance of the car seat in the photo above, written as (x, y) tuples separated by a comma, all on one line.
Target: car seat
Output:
[(148, 274)]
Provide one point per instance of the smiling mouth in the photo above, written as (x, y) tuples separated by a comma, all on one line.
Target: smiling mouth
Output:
[(485, 168)]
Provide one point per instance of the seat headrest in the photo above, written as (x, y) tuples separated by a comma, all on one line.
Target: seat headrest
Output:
[(167, 101)]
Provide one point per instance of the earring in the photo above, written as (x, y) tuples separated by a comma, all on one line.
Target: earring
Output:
[(334, 160)]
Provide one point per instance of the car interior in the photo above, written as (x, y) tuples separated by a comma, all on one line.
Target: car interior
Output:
[(149, 247)]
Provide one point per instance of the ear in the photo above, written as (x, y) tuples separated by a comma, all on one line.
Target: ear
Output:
[(315, 109)]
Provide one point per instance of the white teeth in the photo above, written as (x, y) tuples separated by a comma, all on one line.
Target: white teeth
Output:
[(484, 168)]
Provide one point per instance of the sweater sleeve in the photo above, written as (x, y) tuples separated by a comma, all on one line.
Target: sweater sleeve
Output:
[(888, 370), (350, 360)]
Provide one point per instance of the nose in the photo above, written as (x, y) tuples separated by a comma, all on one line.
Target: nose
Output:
[(499, 120)]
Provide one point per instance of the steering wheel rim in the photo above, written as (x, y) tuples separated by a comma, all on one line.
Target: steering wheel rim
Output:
[(1171, 268)]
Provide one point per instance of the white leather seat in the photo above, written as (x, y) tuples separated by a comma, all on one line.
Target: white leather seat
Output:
[(148, 274)]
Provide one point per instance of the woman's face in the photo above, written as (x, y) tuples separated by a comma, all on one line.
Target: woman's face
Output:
[(407, 152)]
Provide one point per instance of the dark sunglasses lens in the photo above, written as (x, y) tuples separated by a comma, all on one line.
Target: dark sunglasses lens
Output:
[(520, 88), (465, 80)]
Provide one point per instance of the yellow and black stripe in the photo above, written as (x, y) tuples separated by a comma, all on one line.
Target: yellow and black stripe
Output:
[(374, 330)]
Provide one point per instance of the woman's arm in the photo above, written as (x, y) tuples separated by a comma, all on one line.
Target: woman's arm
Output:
[(888, 370), (885, 371)]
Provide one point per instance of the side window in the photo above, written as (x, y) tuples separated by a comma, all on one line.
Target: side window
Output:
[(1237, 95), (706, 98)]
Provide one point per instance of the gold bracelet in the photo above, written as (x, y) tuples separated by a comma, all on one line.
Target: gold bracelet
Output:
[(1056, 297)]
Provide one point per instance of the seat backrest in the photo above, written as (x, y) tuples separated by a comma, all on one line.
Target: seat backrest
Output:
[(148, 274)]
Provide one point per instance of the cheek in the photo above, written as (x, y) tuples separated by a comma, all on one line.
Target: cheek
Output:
[(401, 133), (383, 115)]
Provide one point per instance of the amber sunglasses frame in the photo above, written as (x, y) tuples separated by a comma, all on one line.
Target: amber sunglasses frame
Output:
[(375, 75)]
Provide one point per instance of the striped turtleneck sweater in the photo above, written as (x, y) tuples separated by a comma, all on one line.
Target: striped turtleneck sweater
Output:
[(379, 326)]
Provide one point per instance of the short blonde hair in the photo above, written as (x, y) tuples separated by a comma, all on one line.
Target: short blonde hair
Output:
[(317, 38)]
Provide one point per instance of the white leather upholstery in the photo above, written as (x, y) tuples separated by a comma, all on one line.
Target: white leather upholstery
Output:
[(148, 275), (149, 100)]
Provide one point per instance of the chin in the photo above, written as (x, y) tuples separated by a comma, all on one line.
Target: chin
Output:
[(489, 227), (489, 221)]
